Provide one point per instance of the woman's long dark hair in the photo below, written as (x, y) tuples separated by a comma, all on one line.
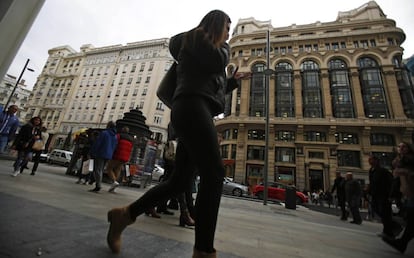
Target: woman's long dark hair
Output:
[(212, 25)]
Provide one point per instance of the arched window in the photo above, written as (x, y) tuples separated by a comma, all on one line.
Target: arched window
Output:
[(257, 91), (372, 88), (311, 90), (284, 94), (342, 103), (405, 86)]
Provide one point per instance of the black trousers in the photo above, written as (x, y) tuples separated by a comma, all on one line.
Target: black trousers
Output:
[(382, 207), (197, 148), (36, 160), (409, 228)]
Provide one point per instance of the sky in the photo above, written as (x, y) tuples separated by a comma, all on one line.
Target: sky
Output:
[(112, 22)]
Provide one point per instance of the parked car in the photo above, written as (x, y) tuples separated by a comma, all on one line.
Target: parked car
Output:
[(278, 191), (61, 157), (236, 189), (157, 173), (44, 157)]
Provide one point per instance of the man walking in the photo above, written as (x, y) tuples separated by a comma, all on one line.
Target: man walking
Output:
[(380, 180), (353, 197), (339, 186), (9, 123), (102, 150)]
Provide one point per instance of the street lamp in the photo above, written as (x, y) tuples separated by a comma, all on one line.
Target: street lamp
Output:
[(17, 83), (268, 72)]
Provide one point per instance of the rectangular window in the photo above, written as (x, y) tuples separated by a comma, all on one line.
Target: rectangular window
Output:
[(383, 139), (346, 138), (256, 135), (313, 136), (224, 150), (285, 136), (349, 158), (316, 155), (255, 152), (285, 155), (356, 44)]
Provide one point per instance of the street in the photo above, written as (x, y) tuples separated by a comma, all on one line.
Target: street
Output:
[(52, 215)]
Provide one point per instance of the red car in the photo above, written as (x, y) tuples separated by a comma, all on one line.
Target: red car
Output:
[(278, 191)]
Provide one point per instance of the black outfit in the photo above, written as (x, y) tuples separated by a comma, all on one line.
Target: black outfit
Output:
[(36, 160), (407, 162), (339, 185), (380, 180), (23, 144), (353, 198), (199, 96)]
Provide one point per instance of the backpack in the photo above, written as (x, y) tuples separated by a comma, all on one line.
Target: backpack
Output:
[(170, 150)]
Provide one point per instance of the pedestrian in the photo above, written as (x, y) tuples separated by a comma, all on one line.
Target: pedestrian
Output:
[(380, 180), (44, 135), (405, 170), (83, 140), (339, 186), (120, 157), (185, 199), (202, 54), (353, 197), (102, 150), (23, 143), (328, 198), (9, 122)]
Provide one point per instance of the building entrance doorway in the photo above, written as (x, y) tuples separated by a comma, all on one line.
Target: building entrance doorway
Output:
[(316, 180)]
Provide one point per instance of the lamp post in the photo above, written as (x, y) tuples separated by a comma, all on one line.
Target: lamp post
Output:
[(268, 72), (17, 83)]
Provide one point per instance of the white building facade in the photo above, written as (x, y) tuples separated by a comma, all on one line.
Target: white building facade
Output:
[(96, 85)]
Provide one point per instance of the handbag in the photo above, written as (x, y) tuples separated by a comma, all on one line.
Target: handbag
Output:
[(38, 145), (87, 166), (170, 150), (168, 84)]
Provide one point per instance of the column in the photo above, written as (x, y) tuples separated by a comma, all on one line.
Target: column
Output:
[(391, 90), (357, 94), (326, 94), (297, 84)]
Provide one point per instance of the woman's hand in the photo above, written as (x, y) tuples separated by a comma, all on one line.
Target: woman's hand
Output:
[(238, 76)]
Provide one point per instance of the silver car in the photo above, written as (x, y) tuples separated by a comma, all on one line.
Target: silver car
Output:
[(236, 189), (157, 173)]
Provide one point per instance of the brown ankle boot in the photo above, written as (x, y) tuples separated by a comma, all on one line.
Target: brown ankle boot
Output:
[(199, 254), (119, 219), (185, 219)]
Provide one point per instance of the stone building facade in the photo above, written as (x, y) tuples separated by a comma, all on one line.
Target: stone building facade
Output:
[(338, 93), (86, 89)]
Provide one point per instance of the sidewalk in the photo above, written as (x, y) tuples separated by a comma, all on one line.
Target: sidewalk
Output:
[(49, 211)]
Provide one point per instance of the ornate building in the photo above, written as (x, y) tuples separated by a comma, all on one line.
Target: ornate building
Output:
[(86, 89), (338, 93)]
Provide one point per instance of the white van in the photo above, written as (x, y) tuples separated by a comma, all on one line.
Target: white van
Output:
[(61, 157)]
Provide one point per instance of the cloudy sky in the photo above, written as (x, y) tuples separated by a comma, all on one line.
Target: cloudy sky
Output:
[(110, 22)]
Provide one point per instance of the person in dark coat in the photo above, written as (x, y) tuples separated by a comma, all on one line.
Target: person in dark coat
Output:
[(121, 156), (339, 186), (23, 143), (353, 197), (102, 150), (380, 180), (405, 170), (202, 55)]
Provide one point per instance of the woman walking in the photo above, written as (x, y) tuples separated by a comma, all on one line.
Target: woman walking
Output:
[(202, 54)]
